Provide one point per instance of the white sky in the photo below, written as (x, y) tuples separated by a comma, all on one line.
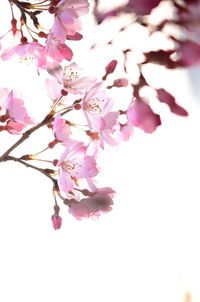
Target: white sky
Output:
[(147, 249)]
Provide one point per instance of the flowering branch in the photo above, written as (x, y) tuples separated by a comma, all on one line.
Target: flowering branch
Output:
[(86, 100)]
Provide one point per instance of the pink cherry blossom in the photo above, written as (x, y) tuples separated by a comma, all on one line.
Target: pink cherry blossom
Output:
[(75, 164), (91, 207), (72, 78), (27, 51), (67, 15), (141, 115), (102, 122), (56, 49), (17, 113), (16, 109), (95, 105), (61, 130), (108, 132)]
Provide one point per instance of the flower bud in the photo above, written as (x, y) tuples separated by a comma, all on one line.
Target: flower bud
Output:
[(56, 221), (110, 68), (122, 82), (23, 40), (52, 9), (77, 106), (41, 34), (63, 92)]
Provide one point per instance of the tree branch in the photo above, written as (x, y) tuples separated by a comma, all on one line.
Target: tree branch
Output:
[(7, 158), (26, 135)]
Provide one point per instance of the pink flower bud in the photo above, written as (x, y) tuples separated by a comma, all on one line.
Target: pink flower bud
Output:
[(52, 9), (14, 26), (111, 67), (122, 82), (56, 221)]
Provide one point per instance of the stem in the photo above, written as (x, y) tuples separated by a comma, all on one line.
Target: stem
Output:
[(26, 135), (12, 10), (31, 166)]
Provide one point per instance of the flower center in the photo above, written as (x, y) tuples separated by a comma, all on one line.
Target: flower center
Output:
[(54, 40), (95, 106), (27, 59), (71, 168), (70, 77)]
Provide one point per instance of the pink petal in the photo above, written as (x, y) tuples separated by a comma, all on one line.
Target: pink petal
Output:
[(142, 116), (64, 181)]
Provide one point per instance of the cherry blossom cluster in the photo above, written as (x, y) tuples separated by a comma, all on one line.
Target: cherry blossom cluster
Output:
[(74, 95)]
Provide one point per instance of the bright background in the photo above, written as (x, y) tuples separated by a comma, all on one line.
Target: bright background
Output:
[(147, 248)]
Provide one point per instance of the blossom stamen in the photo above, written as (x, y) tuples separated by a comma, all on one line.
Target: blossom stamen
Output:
[(71, 167), (95, 105), (70, 76)]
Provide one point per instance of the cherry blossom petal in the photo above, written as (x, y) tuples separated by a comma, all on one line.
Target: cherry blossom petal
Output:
[(142, 116)]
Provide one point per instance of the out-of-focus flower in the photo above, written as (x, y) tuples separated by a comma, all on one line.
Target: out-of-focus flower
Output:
[(142, 7), (188, 52), (167, 98), (92, 207), (140, 115)]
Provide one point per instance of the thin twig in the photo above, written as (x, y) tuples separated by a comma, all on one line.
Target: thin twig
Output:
[(31, 166), (26, 135)]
